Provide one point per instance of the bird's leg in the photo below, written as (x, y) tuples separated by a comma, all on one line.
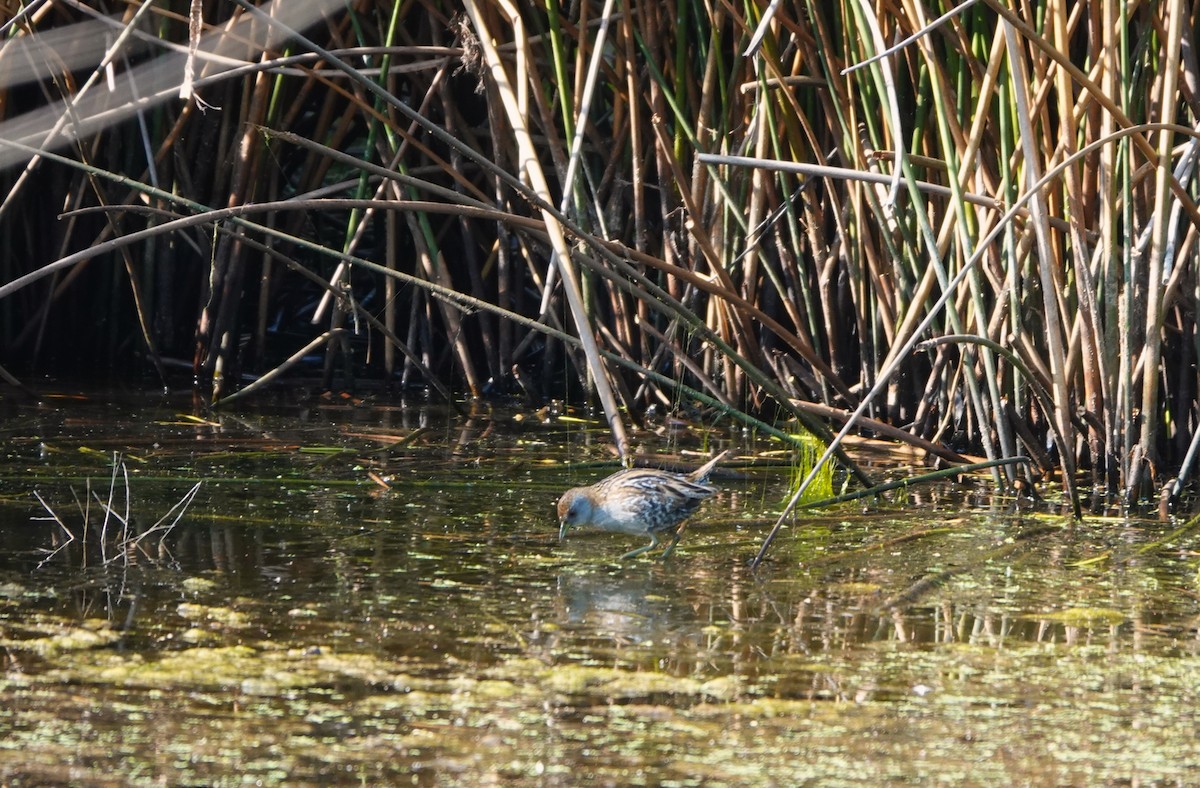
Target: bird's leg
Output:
[(671, 546), (634, 553)]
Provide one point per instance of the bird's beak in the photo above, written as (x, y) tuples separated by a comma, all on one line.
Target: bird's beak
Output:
[(562, 530)]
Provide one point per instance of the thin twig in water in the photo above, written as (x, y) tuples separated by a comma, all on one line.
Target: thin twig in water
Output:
[(125, 542), (179, 509), (53, 516)]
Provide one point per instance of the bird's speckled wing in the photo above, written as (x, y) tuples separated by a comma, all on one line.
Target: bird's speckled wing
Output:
[(656, 483), (655, 498)]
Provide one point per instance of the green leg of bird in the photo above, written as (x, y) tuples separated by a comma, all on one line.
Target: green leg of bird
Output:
[(671, 546), (635, 553)]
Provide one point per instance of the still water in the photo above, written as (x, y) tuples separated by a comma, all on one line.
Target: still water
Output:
[(374, 593)]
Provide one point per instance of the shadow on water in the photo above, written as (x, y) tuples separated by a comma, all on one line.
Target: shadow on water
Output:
[(303, 624)]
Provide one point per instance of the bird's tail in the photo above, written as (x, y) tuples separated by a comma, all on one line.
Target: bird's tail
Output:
[(700, 475)]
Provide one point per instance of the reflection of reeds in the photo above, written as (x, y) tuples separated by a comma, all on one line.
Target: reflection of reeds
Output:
[(453, 199), (112, 531)]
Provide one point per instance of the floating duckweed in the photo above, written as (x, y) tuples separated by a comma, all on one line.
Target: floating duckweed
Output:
[(303, 612), (196, 636), (722, 687), (196, 585), (575, 679), (364, 667), (486, 689), (13, 591), (191, 610), (224, 667), (223, 616), (1083, 616), (69, 639), (855, 589), (260, 687)]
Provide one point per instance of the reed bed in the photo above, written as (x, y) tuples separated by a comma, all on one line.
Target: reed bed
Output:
[(969, 228)]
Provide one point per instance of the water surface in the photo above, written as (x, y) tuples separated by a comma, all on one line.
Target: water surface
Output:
[(302, 623)]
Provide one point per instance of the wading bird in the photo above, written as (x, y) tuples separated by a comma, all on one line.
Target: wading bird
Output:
[(640, 502)]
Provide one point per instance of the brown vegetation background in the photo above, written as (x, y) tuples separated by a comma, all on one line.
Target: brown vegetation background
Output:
[(984, 241)]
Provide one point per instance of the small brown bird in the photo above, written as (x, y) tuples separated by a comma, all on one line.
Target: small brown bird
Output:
[(638, 501)]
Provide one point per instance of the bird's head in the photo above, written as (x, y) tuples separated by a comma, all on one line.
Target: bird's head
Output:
[(574, 508)]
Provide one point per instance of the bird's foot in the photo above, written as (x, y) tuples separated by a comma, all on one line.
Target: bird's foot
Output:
[(637, 552), (667, 553)]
